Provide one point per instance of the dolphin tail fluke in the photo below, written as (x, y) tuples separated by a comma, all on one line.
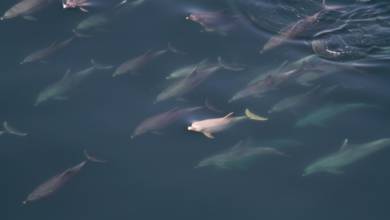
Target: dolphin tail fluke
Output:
[(11, 130), (174, 50), (253, 116), (100, 66), (80, 35), (228, 66), (92, 158)]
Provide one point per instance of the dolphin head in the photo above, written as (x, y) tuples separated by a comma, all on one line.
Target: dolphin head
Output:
[(194, 127), (203, 163), (28, 59), (41, 98)]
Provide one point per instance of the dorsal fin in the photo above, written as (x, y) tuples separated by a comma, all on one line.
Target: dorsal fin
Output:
[(53, 44), (229, 115), (66, 75), (238, 145), (345, 145)]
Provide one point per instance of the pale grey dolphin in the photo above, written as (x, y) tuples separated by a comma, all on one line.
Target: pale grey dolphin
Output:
[(240, 156), (42, 54), (60, 89), (347, 155), (322, 115)]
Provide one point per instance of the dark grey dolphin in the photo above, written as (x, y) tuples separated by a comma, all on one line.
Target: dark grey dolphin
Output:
[(42, 54), (55, 183), (160, 121)]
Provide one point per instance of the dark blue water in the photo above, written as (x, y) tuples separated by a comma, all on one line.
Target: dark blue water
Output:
[(153, 176)]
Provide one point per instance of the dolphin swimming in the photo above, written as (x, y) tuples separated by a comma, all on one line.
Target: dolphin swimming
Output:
[(97, 23), (214, 21), (160, 121), (60, 89), (202, 71), (58, 181), (43, 54), (25, 8), (348, 154), (322, 115), (135, 65), (240, 156), (293, 102), (210, 126), (296, 29), (8, 129)]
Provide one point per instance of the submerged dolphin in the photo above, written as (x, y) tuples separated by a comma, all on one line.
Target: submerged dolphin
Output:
[(60, 89), (293, 102), (159, 122), (187, 70), (214, 21), (210, 126), (11, 130), (347, 155), (134, 65), (99, 22), (321, 116), (42, 54), (239, 156), (193, 79), (55, 183), (25, 8)]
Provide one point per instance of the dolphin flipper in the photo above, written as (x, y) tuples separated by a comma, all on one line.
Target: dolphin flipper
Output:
[(209, 135)]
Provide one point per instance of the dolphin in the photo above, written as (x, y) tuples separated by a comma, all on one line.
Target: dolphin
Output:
[(293, 102), (347, 155), (25, 8), (160, 121), (322, 115), (267, 83), (11, 130), (97, 23), (60, 89), (210, 126), (296, 29), (239, 156), (213, 21), (134, 65), (202, 71), (187, 70), (58, 181), (42, 54)]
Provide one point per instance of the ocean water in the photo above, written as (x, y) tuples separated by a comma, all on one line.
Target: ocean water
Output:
[(153, 176)]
